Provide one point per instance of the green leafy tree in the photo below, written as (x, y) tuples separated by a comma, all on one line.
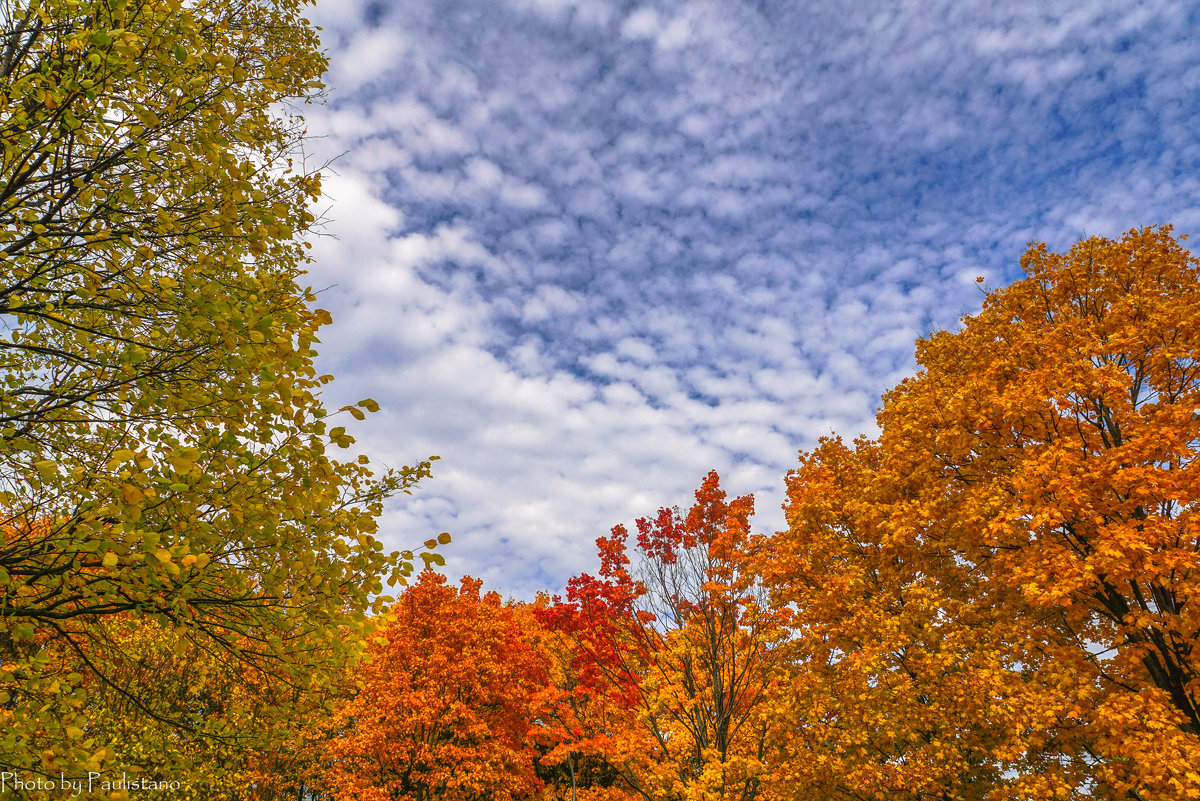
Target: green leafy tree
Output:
[(164, 450)]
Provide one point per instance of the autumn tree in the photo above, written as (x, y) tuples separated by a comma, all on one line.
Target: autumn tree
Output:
[(585, 727), (164, 451), (166, 707), (905, 678), (451, 692), (1026, 523), (680, 650)]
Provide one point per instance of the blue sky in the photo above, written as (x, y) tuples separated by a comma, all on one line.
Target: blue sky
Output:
[(588, 250)]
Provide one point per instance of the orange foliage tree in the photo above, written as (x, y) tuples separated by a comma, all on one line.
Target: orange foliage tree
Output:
[(674, 659), (907, 680), (1012, 569), (450, 691)]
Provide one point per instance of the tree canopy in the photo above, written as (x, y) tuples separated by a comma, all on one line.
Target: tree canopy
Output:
[(997, 596), (164, 451), (993, 598), (452, 688)]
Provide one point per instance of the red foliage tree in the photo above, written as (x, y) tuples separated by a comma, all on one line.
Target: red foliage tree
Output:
[(677, 653)]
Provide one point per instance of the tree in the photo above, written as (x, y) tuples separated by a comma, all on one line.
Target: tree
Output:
[(451, 690), (585, 727), (179, 711), (1035, 487), (163, 447), (905, 679), (683, 655)]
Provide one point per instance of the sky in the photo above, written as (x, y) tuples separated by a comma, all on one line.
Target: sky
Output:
[(587, 250)]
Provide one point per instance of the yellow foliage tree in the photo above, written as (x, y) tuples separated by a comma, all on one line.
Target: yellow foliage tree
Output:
[(907, 680), (167, 708), (164, 451), (1018, 551)]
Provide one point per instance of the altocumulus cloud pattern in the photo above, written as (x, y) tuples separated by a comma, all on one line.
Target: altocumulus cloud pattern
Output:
[(587, 250)]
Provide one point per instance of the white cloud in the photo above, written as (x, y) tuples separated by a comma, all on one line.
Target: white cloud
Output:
[(643, 23), (370, 54), (587, 252)]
